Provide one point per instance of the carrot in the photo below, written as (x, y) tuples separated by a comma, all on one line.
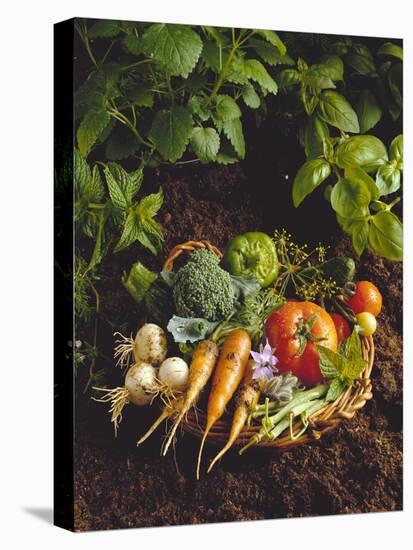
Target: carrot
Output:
[(246, 399), (203, 362), (227, 376)]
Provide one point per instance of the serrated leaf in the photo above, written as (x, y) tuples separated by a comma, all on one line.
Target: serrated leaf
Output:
[(197, 106), (330, 362), (226, 154), (141, 95), (171, 130), (226, 108), (270, 53), (149, 206), (368, 111), (353, 354), (233, 130), (93, 123), (250, 96), (205, 143), (104, 29), (130, 232), (334, 109), (335, 389), (151, 235), (274, 39), (288, 78), (133, 44), (175, 47), (256, 71), (122, 186)]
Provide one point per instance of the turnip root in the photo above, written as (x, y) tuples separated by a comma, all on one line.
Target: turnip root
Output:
[(174, 373), (140, 388), (149, 346)]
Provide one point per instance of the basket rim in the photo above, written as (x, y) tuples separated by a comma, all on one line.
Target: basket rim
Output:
[(323, 421)]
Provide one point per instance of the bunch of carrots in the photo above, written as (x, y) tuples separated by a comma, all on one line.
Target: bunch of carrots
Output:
[(229, 369)]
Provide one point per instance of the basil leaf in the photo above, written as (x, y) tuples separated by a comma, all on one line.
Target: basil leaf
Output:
[(391, 49), (315, 133), (359, 236), (350, 198), (311, 174), (361, 64), (288, 78), (334, 109), (386, 235), (368, 111), (354, 173), (367, 152), (334, 65), (396, 148), (388, 179), (395, 80)]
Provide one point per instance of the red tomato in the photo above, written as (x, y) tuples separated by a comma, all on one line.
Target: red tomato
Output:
[(342, 327), (366, 298), (287, 327)]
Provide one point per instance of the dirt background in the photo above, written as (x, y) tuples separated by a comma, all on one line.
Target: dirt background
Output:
[(357, 468)]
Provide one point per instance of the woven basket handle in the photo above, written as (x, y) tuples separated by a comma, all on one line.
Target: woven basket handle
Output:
[(189, 246)]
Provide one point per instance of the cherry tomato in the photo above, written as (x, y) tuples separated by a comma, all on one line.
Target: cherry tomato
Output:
[(366, 298), (294, 331), (342, 327), (367, 322)]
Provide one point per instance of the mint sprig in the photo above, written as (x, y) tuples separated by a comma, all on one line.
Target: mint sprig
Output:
[(342, 367)]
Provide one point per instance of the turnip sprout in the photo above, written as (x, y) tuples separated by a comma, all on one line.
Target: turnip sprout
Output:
[(149, 346)]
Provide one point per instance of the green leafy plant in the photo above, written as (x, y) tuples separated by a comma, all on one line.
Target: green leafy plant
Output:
[(363, 169)]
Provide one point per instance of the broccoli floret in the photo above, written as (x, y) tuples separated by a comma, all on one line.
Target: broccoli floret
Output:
[(202, 288)]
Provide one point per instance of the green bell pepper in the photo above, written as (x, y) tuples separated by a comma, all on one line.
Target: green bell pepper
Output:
[(252, 253)]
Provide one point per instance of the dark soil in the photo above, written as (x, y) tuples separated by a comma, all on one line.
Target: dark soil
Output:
[(357, 468)]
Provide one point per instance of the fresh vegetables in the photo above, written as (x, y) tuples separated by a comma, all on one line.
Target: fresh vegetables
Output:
[(252, 253), (174, 373), (202, 365), (149, 345), (228, 374), (367, 323), (245, 401), (294, 331), (367, 297), (201, 288), (140, 389)]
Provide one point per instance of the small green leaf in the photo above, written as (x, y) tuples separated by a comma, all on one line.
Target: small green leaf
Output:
[(350, 198), (91, 126), (233, 131), (335, 389), (226, 154), (141, 95), (361, 64), (226, 108), (386, 235), (270, 53), (133, 44), (288, 78), (250, 96), (138, 281), (311, 174), (367, 152), (395, 80), (317, 78), (205, 143), (171, 130), (368, 111), (175, 47), (357, 173), (274, 39), (330, 362), (130, 232), (334, 65), (256, 71), (359, 235), (391, 49), (334, 109), (88, 184), (315, 134), (150, 205), (353, 354), (388, 179), (104, 29), (197, 107), (396, 149), (122, 186)]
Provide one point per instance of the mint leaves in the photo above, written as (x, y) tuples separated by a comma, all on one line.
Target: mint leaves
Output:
[(344, 367)]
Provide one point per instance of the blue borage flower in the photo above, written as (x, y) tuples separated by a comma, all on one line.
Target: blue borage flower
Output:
[(265, 362)]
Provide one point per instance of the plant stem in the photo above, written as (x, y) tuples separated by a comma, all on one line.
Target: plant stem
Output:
[(224, 70), (122, 118)]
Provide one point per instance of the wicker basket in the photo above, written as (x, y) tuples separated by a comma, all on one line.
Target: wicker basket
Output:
[(323, 421)]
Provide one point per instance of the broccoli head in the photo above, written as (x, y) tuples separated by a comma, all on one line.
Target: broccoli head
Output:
[(202, 288)]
